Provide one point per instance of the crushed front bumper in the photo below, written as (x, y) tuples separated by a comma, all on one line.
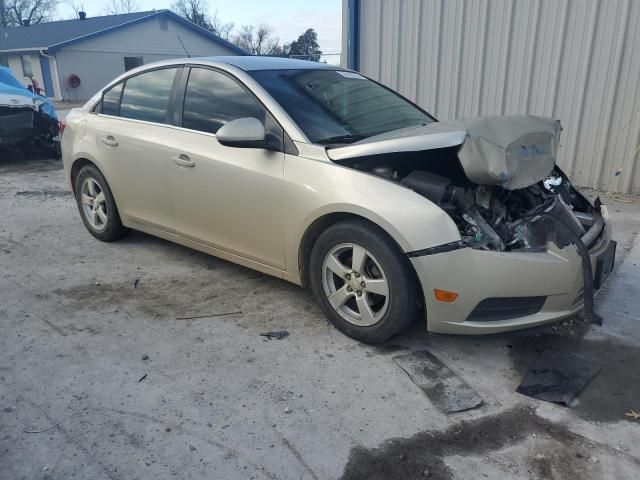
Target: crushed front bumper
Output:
[(490, 283)]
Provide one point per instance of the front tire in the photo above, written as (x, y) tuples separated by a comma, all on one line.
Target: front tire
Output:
[(97, 206), (363, 282)]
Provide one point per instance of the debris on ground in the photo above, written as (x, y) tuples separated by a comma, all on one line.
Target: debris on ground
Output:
[(278, 335), (145, 357), (558, 377), (54, 425), (211, 315), (135, 283), (446, 390), (142, 378), (633, 414)]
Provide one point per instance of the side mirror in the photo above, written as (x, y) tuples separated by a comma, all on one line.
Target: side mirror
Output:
[(242, 133)]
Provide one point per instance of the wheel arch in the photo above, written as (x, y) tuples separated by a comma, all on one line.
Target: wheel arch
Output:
[(77, 165), (325, 221)]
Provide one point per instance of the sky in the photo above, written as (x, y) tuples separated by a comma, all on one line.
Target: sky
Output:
[(289, 18)]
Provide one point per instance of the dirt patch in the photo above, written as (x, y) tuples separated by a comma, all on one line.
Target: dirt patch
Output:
[(168, 298), (414, 457), (44, 193), (15, 162)]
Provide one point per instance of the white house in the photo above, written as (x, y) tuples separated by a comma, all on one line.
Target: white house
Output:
[(72, 59)]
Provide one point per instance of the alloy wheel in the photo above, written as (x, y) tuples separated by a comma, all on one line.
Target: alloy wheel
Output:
[(355, 284), (94, 204)]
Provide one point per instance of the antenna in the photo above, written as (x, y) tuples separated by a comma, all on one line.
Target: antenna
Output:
[(181, 43)]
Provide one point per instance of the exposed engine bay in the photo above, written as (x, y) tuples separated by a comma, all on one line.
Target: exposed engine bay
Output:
[(490, 217)]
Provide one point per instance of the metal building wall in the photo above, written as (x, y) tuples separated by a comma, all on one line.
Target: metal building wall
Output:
[(575, 60)]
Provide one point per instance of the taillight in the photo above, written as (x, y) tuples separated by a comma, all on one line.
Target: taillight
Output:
[(63, 125)]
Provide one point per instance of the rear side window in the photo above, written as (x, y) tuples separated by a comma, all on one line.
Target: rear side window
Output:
[(213, 99), (111, 100), (146, 96)]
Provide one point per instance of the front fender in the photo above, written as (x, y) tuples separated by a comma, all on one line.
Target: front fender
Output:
[(318, 188)]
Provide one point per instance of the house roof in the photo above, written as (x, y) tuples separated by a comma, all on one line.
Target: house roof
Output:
[(52, 36)]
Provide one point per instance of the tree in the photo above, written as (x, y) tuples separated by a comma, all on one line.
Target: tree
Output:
[(76, 7), (257, 41), (3, 15), (27, 12), (221, 28), (118, 7), (306, 46), (195, 11)]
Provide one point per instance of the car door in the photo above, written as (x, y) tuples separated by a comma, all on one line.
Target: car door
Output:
[(227, 197), (132, 133)]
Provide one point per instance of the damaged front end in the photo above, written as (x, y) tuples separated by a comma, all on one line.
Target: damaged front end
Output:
[(28, 121), (497, 179)]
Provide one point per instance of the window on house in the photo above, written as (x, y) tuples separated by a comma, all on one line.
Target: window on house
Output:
[(26, 66), (163, 23), (146, 96), (4, 60), (132, 62)]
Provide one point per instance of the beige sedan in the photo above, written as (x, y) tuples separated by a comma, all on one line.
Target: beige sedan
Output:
[(322, 177)]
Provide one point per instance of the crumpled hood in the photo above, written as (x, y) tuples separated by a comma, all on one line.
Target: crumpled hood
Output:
[(511, 151)]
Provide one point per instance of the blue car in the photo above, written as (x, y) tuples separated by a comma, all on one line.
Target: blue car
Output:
[(28, 121)]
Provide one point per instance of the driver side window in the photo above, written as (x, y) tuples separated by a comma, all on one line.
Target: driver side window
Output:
[(213, 99)]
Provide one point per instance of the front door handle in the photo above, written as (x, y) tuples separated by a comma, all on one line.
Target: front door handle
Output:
[(184, 161), (109, 141)]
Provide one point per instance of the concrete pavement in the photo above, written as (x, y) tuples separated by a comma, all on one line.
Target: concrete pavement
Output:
[(117, 387)]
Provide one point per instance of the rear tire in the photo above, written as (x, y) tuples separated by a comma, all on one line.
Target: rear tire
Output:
[(369, 299), (97, 206)]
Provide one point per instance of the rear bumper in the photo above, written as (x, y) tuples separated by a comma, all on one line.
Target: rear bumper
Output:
[(478, 275)]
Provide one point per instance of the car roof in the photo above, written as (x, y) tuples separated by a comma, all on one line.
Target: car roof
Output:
[(249, 63)]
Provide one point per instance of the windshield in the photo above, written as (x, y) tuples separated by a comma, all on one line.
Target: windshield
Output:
[(332, 106)]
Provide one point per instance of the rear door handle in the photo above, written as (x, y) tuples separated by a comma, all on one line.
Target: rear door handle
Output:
[(109, 141), (184, 161)]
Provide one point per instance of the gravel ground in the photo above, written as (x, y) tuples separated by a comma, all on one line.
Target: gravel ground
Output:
[(102, 377)]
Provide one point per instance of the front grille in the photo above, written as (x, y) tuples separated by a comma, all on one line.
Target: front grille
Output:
[(505, 308)]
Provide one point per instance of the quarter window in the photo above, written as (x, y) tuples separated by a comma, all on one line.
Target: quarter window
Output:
[(213, 99), (146, 96), (111, 100)]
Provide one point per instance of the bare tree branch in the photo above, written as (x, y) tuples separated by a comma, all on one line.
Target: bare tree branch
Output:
[(221, 28), (193, 10), (28, 12), (118, 7), (257, 41)]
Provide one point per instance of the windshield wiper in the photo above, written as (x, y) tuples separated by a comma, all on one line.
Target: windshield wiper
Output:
[(341, 139)]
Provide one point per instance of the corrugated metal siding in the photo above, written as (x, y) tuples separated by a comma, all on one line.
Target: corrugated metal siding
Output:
[(576, 60)]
